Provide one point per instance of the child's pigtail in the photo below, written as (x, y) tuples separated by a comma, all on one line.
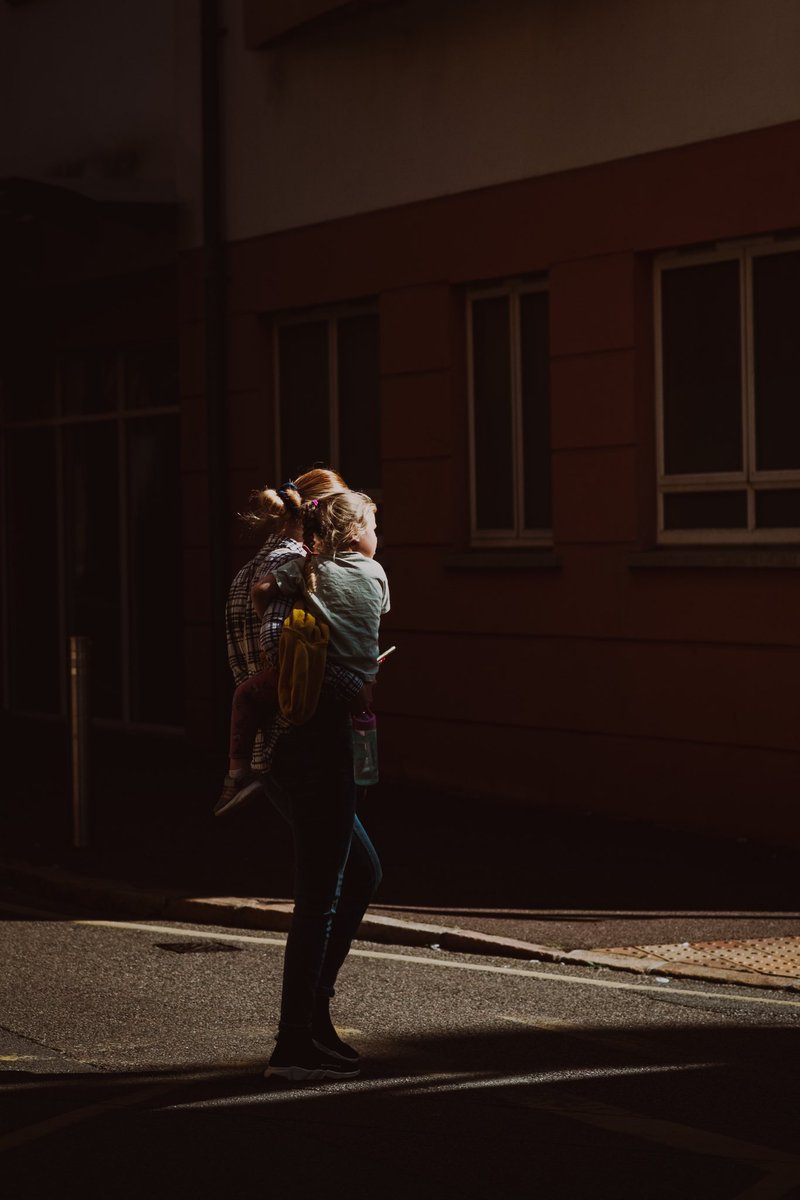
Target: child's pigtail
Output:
[(311, 537)]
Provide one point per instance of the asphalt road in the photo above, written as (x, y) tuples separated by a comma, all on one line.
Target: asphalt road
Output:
[(132, 1057)]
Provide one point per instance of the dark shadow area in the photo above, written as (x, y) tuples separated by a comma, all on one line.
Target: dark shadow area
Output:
[(598, 1111), (151, 823)]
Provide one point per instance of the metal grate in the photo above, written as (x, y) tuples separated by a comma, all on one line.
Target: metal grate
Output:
[(762, 956)]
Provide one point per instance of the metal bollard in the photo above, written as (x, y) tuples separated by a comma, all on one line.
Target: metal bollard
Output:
[(79, 738)]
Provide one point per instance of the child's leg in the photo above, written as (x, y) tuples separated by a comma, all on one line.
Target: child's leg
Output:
[(254, 706)]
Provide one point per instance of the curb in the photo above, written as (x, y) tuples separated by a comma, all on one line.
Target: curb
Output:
[(275, 916)]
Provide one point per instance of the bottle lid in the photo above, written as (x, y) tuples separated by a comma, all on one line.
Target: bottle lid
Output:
[(364, 720)]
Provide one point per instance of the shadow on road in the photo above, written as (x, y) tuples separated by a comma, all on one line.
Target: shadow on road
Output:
[(705, 1111)]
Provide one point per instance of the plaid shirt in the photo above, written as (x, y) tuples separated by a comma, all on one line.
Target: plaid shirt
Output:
[(252, 642), (242, 622)]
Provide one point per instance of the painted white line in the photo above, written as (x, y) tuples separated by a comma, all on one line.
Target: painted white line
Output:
[(94, 1082), (181, 931), (775, 1186), (31, 1133), (782, 1167), (666, 1133), (26, 910), (486, 968)]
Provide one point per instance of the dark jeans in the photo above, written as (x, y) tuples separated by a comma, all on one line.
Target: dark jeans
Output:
[(336, 868), (254, 705)]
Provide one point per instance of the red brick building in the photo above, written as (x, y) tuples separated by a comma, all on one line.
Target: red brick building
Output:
[(528, 275)]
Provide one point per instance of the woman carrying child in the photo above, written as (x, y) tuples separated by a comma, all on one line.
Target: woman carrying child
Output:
[(277, 516), (336, 867)]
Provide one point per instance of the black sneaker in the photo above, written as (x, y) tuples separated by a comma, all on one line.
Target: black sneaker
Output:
[(309, 1063), (339, 1049), (328, 1041), (323, 1032)]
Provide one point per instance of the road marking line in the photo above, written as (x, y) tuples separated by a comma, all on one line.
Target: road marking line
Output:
[(783, 1168), (6, 906), (181, 930), (772, 1187), (656, 1129), (550, 977), (94, 1082), (30, 1133)]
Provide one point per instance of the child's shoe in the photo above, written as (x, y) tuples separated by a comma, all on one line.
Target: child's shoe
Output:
[(237, 789)]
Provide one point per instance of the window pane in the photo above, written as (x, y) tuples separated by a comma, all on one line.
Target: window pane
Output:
[(359, 401), (702, 369), (151, 376), (776, 338), (535, 350), (88, 382), (154, 504), (92, 554), (37, 659), (705, 510), (491, 378), (28, 382), (778, 509), (303, 396)]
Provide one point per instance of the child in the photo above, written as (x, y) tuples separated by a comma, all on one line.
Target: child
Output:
[(342, 586)]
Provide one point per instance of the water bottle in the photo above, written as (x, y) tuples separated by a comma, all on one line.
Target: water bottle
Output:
[(365, 749)]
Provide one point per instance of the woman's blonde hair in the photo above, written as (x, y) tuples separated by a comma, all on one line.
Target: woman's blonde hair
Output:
[(275, 508), (332, 525)]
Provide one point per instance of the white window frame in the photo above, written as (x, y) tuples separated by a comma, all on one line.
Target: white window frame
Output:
[(748, 479), (331, 316), (519, 535)]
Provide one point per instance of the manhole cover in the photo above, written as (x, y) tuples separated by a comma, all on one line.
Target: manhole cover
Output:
[(198, 947), (762, 956)]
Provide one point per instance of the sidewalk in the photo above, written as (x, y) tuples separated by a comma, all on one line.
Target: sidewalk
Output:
[(524, 881), (724, 948)]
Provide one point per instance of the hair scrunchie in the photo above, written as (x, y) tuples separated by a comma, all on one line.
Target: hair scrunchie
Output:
[(290, 504)]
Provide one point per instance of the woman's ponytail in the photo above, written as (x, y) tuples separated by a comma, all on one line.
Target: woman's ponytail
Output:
[(273, 509)]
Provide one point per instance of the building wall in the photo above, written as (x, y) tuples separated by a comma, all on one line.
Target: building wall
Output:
[(89, 94), (88, 293), (401, 153), (391, 104), (662, 693)]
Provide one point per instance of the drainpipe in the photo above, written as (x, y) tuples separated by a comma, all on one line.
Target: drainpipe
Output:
[(215, 353)]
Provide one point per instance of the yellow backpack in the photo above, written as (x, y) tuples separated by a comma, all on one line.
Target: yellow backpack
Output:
[(302, 652)]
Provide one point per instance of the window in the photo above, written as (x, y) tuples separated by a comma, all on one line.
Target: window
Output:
[(509, 400), (728, 385), (328, 390), (92, 500)]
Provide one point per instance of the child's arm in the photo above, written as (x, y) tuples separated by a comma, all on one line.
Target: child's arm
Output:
[(263, 593), (271, 628)]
